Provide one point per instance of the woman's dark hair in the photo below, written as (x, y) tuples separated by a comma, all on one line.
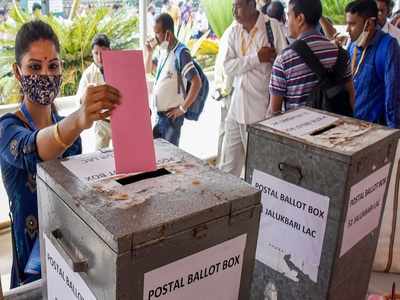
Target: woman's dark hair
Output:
[(311, 9), (101, 40), (32, 32)]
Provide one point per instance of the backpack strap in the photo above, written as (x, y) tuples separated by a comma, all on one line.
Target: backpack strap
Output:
[(178, 51), (380, 57), (270, 33), (310, 59)]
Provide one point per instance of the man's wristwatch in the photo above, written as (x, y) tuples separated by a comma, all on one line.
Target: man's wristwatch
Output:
[(182, 109)]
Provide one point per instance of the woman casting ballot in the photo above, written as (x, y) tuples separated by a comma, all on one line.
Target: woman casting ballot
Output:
[(36, 133)]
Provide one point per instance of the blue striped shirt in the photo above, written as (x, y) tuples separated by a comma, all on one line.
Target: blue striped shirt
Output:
[(293, 79)]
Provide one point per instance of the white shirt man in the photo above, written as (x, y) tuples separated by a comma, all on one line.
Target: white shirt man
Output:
[(223, 86), (94, 76), (250, 99)]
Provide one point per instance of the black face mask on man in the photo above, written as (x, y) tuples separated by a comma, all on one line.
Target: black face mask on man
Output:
[(41, 89)]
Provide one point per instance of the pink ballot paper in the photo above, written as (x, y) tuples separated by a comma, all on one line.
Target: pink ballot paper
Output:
[(130, 123)]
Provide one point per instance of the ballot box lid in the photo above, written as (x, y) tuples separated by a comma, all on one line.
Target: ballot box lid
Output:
[(130, 211), (327, 134)]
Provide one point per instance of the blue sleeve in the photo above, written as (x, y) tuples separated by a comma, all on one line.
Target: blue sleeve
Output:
[(392, 86), (18, 144), (187, 66), (75, 149)]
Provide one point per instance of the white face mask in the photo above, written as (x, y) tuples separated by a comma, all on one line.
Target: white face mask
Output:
[(362, 39), (164, 44), (364, 36)]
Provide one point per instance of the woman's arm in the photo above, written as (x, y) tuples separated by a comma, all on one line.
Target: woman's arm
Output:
[(98, 104)]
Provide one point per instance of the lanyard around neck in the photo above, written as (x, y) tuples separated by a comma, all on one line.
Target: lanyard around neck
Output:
[(355, 68), (243, 47), (162, 67)]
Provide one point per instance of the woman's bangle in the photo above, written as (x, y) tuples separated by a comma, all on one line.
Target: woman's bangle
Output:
[(57, 137)]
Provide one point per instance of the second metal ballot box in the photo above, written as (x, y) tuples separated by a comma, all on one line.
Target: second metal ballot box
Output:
[(324, 180)]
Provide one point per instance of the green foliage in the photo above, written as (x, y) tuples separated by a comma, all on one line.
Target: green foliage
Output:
[(204, 50), (219, 14), (335, 10), (75, 38)]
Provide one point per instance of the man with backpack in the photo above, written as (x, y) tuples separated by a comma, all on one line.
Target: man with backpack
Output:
[(375, 66), (180, 87), (252, 46), (313, 71)]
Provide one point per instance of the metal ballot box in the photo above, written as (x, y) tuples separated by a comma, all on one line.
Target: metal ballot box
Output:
[(324, 180), (185, 231)]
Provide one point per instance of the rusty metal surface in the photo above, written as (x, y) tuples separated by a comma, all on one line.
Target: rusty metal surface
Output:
[(335, 148), (329, 170), (165, 206), (126, 231)]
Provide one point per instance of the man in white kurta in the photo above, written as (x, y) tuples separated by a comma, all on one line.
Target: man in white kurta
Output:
[(93, 75), (251, 52)]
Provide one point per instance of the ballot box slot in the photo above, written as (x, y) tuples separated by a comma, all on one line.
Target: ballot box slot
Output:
[(323, 130), (143, 176)]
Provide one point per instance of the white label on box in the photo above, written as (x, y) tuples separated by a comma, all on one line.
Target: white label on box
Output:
[(212, 274), (300, 122), (365, 208), (91, 167), (292, 227), (62, 282)]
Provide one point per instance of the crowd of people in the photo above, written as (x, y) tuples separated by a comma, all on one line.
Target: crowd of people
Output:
[(270, 61), (182, 13)]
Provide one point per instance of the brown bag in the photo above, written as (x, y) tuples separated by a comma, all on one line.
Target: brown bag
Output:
[(387, 258)]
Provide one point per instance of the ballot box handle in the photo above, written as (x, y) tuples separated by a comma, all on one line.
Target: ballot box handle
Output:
[(74, 258), (292, 171)]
